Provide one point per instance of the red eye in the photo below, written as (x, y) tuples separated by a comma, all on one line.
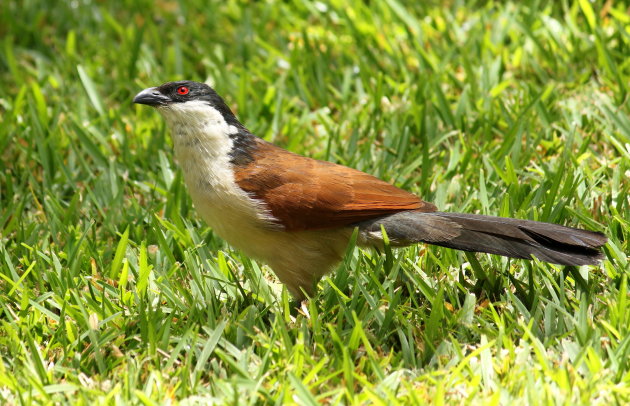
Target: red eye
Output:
[(182, 90)]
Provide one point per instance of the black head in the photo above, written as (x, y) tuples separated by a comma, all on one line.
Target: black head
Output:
[(183, 91)]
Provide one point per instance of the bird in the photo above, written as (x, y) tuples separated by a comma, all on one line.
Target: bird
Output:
[(298, 214)]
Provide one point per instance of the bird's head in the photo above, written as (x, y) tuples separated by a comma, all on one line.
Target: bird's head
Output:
[(186, 101)]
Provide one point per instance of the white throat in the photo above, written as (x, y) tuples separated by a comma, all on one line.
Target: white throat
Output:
[(196, 123)]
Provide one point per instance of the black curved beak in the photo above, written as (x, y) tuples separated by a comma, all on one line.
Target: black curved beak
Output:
[(151, 97)]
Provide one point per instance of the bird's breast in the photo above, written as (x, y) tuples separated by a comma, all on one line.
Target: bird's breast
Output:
[(209, 176)]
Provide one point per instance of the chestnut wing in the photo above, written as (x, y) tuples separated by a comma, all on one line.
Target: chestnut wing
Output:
[(307, 194)]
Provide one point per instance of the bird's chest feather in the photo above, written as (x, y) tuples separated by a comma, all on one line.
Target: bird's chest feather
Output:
[(203, 155)]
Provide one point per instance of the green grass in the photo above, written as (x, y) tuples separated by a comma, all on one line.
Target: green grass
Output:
[(112, 290)]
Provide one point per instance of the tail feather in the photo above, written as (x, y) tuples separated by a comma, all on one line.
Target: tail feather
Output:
[(495, 235)]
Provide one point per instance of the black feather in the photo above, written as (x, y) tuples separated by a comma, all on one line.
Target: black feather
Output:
[(495, 235)]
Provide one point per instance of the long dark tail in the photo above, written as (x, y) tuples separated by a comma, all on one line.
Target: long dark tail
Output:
[(495, 235)]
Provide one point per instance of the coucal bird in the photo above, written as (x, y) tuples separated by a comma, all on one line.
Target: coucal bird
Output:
[(297, 214)]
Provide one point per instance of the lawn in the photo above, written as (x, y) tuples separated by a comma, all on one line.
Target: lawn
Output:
[(114, 291)]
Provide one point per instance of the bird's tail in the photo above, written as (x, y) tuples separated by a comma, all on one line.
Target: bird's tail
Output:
[(495, 235)]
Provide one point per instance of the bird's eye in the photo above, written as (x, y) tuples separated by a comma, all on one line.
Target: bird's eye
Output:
[(182, 90)]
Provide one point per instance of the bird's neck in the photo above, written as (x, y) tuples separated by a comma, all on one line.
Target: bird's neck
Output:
[(199, 130)]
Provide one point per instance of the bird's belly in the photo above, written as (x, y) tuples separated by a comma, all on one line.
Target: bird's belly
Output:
[(237, 219), (298, 258)]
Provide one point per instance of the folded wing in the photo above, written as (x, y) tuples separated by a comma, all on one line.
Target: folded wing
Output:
[(307, 194)]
